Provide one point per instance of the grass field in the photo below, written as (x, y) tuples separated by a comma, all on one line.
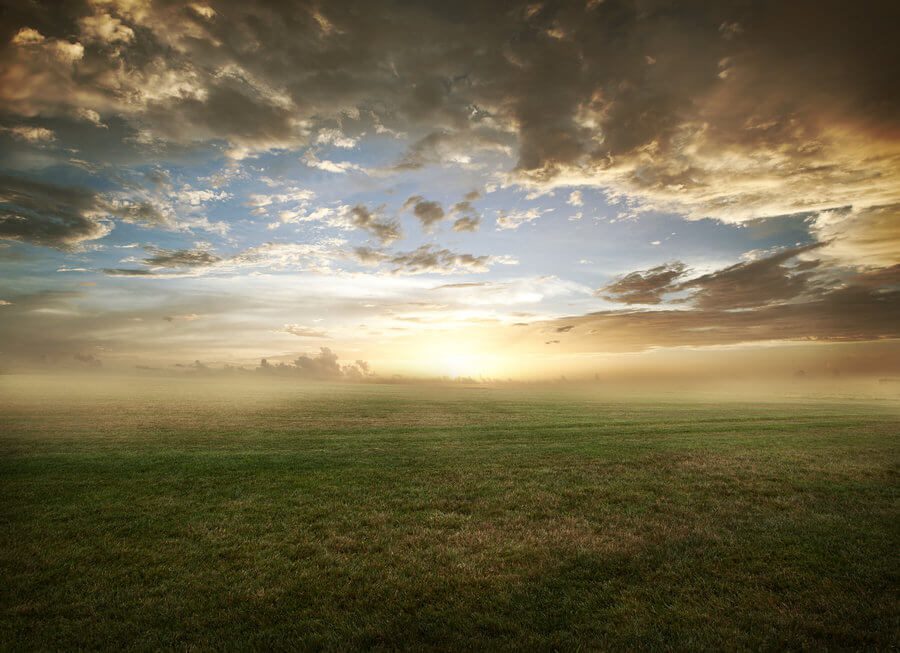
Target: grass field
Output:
[(324, 516)]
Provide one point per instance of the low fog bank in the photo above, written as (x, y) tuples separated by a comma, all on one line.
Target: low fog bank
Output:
[(751, 373), (236, 389), (323, 365)]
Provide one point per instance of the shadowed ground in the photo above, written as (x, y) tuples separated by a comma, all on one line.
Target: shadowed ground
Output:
[(178, 514)]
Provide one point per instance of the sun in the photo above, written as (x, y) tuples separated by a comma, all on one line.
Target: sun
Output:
[(457, 364), (458, 358)]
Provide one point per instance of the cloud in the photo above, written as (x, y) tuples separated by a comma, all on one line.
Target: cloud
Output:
[(64, 217), (369, 256), (195, 197), (90, 116), (515, 219), (469, 219), (303, 331), (775, 277), (644, 286), (129, 272), (772, 114), (311, 158), (455, 148), (144, 212), (429, 259), (777, 118), (428, 213), (45, 214), (189, 317), (755, 283), (180, 258), (384, 231), (330, 136), (575, 198), (849, 314), (467, 284), (88, 359), (323, 366), (30, 134), (105, 29), (863, 237), (782, 296), (172, 263), (467, 223)]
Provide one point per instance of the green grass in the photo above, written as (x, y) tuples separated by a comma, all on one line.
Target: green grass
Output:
[(170, 515)]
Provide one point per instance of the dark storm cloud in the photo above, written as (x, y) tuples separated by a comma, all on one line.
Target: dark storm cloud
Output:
[(164, 263), (180, 258), (773, 278), (854, 313), (128, 272), (755, 283), (64, 217), (645, 286), (40, 213), (773, 298), (685, 106)]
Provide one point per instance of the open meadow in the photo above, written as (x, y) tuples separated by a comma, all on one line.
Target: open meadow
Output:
[(282, 515)]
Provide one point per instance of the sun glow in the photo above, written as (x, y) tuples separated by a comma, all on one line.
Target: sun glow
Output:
[(457, 364), (455, 359)]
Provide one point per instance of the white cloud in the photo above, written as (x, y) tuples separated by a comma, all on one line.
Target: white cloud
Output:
[(321, 214), (27, 36), (194, 197), (90, 116), (30, 134), (515, 219), (105, 29), (335, 137), (311, 159)]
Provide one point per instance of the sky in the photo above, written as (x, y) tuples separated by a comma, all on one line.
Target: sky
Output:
[(462, 189)]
